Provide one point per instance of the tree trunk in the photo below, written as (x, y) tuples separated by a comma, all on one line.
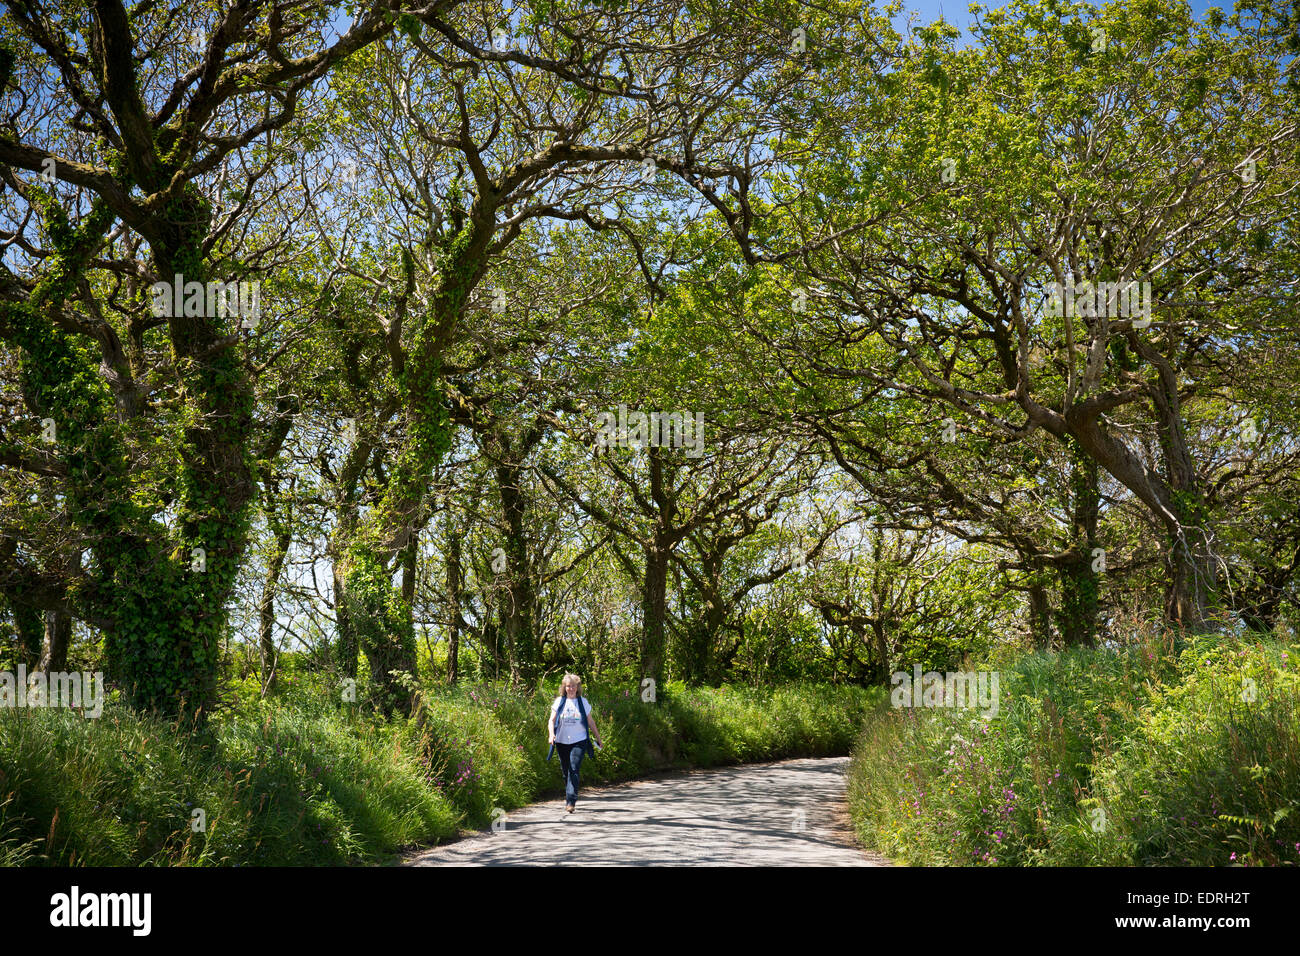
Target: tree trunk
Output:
[(517, 610), (1040, 616), (27, 622), (166, 591), (1192, 569), (654, 595), (376, 609), (715, 618), (490, 659), (58, 635), (266, 606), (410, 568), (1077, 616), (382, 622), (455, 581), (882, 648), (653, 610), (348, 644), (1193, 580)]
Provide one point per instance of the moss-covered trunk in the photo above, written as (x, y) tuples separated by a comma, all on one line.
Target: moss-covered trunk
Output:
[(162, 589), (1076, 618), (375, 609)]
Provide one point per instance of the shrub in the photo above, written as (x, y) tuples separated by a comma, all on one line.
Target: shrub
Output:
[(1141, 755)]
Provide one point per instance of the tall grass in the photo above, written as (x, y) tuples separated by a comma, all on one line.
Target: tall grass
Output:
[(1153, 754), (301, 780), (288, 788)]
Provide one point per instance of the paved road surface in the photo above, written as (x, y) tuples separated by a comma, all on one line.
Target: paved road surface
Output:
[(734, 816)]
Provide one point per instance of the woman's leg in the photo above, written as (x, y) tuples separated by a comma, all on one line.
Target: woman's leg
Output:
[(575, 763), (570, 784)]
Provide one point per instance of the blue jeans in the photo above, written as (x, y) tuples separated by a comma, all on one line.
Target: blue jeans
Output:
[(570, 761)]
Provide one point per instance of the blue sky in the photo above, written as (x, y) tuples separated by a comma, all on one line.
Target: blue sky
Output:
[(957, 12)]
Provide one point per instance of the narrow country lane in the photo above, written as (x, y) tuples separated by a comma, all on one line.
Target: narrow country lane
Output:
[(789, 813)]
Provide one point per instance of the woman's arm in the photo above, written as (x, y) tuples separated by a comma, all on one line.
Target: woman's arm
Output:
[(591, 722), (550, 724)]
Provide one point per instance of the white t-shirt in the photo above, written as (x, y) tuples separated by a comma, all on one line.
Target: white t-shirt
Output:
[(571, 730)]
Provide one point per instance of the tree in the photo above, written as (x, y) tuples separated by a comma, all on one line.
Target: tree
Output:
[(124, 116), (970, 180)]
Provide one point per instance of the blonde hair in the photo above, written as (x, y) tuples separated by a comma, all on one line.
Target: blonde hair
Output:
[(573, 679)]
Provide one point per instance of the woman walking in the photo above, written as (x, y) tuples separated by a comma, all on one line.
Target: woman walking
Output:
[(570, 728)]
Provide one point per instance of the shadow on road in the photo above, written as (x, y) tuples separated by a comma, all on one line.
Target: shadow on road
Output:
[(776, 814)]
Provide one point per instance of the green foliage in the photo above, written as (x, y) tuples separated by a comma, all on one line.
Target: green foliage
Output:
[(1143, 756), (382, 623), (780, 647), (303, 779), (1211, 775), (166, 619), (284, 783)]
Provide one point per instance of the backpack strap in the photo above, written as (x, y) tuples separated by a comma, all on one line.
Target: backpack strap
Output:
[(586, 742)]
